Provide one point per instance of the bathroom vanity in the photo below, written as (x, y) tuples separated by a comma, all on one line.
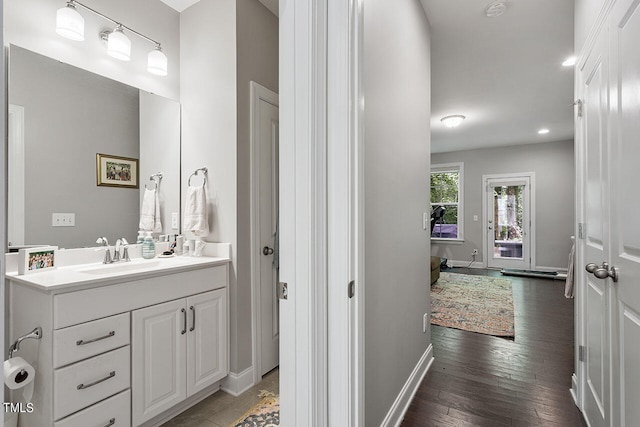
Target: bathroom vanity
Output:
[(123, 344)]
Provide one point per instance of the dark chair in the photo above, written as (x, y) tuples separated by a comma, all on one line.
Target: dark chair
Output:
[(436, 215)]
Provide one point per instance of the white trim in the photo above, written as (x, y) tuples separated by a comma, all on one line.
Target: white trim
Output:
[(403, 400), (258, 92), (344, 212), (532, 211), (467, 264), (303, 262), (16, 176), (551, 269), (236, 384), (574, 390), (452, 167)]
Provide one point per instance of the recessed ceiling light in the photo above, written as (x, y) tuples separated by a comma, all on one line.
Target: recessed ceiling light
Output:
[(569, 62), (543, 131), (496, 8), (452, 121)]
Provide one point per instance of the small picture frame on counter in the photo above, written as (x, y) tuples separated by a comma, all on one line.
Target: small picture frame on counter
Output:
[(37, 259)]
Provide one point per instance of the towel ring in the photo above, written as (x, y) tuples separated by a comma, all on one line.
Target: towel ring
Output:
[(156, 178), (204, 171)]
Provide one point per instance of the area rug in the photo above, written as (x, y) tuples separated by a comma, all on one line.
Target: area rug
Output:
[(265, 413), (473, 303)]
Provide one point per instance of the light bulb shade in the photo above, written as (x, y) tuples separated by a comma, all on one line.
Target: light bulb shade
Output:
[(119, 45), (157, 62), (452, 121), (69, 23)]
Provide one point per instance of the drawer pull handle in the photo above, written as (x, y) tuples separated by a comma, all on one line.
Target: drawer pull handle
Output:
[(83, 386), (184, 329), (193, 325), (112, 421), (83, 342)]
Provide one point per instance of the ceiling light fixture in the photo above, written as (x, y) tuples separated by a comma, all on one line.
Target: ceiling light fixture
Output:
[(70, 24), (452, 121), (569, 62), (495, 9), (543, 131)]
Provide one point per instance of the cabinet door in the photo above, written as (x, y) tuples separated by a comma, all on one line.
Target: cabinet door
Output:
[(206, 340), (158, 359)]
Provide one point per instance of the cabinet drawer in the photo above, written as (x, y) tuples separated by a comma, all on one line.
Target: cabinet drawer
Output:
[(89, 339), (84, 383), (114, 411)]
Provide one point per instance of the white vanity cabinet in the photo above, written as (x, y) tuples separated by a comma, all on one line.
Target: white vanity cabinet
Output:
[(178, 350), (123, 350)]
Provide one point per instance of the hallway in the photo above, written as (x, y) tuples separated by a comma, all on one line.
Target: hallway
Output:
[(480, 380)]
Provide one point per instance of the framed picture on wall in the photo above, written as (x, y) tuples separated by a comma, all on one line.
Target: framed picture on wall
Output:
[(116, 171), (37, 259)]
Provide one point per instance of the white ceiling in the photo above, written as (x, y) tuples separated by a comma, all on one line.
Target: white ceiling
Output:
[(504, 73)]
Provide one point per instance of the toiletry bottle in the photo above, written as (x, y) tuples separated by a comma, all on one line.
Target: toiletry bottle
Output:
[(148, 247), (140, 237)]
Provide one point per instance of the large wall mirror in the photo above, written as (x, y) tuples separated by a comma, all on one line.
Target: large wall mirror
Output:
[(60, 117)]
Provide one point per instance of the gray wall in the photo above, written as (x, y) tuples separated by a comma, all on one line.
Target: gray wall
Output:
[(257, 60), (208, 82), (70, 115), (397, 144), (554, 199)]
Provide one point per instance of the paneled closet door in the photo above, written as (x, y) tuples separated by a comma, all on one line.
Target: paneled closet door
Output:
[(595, 298), (625, 210)]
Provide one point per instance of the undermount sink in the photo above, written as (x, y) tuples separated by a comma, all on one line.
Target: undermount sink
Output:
[(124, 267)]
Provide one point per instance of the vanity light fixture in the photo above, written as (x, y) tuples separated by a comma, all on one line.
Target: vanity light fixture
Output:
[(452, 121), (70, 24)]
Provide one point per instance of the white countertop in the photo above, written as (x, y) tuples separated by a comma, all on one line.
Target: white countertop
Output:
[(85, 276)]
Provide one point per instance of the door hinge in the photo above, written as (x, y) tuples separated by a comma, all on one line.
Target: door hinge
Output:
[(582, 230), (579, 103), (581, 353), (283, 291), (352, 289)]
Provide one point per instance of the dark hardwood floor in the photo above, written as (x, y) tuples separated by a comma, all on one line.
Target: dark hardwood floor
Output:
[(480, 380)]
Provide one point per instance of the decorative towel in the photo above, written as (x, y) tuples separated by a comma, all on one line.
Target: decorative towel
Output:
[(568, 287), (150, 212), (195, 212)]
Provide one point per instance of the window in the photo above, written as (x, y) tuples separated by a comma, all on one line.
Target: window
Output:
[(446, 201)]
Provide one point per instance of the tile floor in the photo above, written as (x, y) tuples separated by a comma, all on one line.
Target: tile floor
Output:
[(221, 409)]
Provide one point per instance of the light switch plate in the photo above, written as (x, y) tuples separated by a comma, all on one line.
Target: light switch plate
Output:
[(63, 220), (174, 220)]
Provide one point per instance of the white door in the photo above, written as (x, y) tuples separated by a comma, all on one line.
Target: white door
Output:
[(625, 212), (265, 154), (158, 353), (593, 78), (508, 221), (206, 339)]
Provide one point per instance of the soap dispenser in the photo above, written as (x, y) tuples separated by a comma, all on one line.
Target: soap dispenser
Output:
[(148, 247), (140, 237)]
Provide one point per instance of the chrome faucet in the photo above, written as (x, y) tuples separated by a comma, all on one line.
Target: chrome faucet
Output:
[(102, 241), (125, 252)]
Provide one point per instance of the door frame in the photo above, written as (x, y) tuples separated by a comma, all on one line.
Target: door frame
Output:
[(321, 106), (258, 93), (532, 212)]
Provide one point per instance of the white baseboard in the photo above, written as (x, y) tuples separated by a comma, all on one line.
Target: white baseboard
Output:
[(469, 264), (574, 389), (399, 408), (236, 384), (552, 269)]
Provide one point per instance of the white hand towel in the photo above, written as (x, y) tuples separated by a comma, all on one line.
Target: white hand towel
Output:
[(150, 212), (195, 212)]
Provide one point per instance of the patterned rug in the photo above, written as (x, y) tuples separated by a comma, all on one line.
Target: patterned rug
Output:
[(473, 303), (265, 413)]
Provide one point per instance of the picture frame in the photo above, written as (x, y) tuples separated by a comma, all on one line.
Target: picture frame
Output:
[(37, 259), (116, 171)]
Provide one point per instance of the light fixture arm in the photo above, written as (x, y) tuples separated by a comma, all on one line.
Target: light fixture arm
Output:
[(118, 24)]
